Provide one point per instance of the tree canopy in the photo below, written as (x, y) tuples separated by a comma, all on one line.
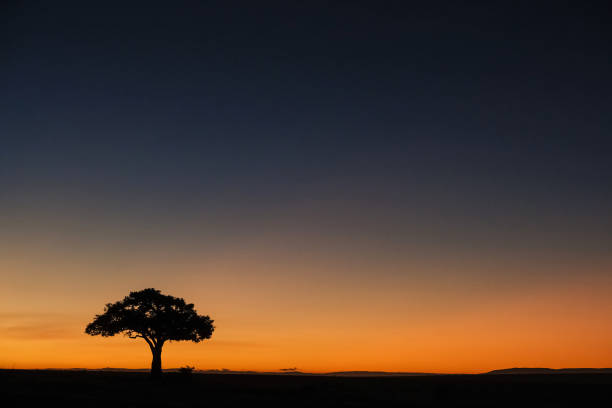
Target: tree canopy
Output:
[(154, 317)]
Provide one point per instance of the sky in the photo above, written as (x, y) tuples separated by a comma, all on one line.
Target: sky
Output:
[(339, 185)]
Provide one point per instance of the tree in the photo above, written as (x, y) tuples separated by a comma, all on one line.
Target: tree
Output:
[(154, 317)]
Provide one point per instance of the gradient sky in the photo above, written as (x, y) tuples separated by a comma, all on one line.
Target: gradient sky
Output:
[(340, 185)]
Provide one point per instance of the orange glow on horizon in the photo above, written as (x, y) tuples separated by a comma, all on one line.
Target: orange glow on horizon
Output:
[(321, 324)]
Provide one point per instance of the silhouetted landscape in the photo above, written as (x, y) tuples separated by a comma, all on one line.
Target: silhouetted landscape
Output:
[(526, 370), (72, 388)]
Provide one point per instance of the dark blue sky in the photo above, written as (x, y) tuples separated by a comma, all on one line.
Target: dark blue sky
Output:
[(471, 125)]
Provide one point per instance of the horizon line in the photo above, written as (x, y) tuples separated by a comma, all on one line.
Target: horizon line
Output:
[(512, 370)]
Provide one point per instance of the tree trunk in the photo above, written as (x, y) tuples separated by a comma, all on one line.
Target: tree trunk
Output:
[(156, 364)]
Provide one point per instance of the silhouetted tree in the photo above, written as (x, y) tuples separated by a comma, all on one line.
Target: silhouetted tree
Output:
[(154, 317)]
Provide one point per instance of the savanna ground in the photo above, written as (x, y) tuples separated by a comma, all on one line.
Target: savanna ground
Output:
[(42, 388)]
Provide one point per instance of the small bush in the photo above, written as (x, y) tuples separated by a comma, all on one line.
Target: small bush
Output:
[(186, 371)]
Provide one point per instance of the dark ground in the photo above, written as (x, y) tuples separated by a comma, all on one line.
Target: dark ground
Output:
[(19, 388)]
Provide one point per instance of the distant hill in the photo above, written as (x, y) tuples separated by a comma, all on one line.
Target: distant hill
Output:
[(126, 370), (526, 370), (375, 374)]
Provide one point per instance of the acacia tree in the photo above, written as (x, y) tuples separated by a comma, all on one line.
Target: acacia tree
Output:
[(154, 317)]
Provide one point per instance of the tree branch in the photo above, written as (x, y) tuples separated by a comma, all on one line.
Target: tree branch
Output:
[(147, 340)]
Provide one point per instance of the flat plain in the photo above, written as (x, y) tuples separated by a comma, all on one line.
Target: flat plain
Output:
[(73, 388)]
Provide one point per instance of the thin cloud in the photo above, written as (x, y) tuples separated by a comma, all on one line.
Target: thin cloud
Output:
[(234, 343), (29, 315), (36, 332)]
